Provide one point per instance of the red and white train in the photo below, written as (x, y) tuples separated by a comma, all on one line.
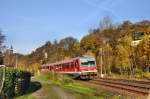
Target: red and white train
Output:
[(79, 67)]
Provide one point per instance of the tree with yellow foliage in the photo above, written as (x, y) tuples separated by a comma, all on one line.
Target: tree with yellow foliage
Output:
[(107, 58), (124, 54), (91, 42), (143, 52), (122, 58)]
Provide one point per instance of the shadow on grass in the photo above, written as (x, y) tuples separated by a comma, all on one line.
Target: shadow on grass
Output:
[(34, 86)]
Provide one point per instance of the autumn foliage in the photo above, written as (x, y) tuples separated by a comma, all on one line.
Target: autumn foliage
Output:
[(119, 55)]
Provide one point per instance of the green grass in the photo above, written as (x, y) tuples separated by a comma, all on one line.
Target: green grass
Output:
[(80, 91)]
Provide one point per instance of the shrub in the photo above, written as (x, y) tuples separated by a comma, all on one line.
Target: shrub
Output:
[(146, 75), (22, 82), (138, 73), (8, 88), (16, 82)]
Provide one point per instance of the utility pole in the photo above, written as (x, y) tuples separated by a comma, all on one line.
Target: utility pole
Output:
[(10, 56), (16, 61), (101, 60)]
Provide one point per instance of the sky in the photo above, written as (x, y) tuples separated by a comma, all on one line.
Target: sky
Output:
[(28, 24)]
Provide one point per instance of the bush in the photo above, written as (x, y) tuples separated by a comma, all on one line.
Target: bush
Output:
[(22, 82), (16, 82), (138, 76), (8, 88), (138, 71), (146, 75)]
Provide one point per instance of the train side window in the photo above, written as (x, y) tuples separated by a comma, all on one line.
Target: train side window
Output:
[(73, 65), (51, 68), (63, 66), (76, 65)]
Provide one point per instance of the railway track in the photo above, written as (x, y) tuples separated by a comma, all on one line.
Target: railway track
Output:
[(125, 86), (125, 80)]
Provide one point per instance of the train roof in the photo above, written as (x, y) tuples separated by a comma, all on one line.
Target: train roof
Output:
[(62, 62)]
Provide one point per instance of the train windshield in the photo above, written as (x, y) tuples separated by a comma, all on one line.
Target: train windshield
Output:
[(87, 62)]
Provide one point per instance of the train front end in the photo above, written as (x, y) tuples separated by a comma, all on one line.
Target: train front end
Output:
[(88, 67)]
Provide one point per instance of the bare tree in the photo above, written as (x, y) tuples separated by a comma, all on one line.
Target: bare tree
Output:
[(105, 23)]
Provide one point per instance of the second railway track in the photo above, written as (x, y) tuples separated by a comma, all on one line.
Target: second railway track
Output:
[(134, 84), (122, 86)]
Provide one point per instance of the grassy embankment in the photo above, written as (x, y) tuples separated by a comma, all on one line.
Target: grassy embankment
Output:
[(78, 91)]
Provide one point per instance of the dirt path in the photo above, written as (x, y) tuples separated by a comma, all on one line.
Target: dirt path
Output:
[(50, 91), (39, 94), (61, 93)]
